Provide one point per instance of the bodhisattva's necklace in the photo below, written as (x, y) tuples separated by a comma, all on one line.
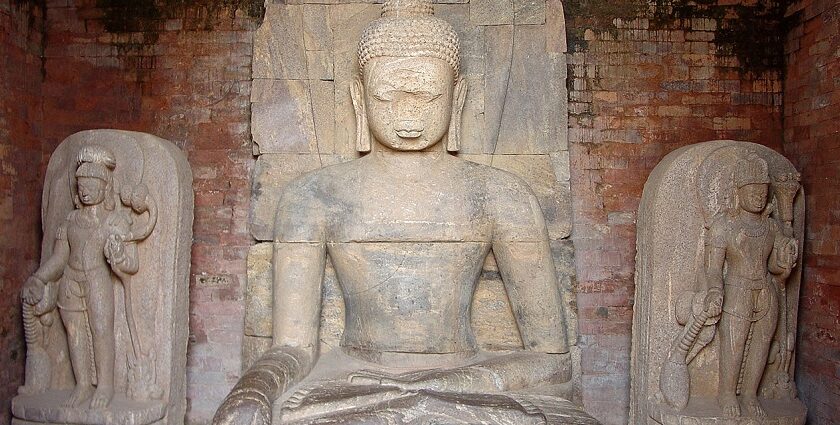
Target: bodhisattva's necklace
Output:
[(754, 228), (86, 219)]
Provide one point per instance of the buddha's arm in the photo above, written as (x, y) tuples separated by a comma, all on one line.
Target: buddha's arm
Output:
[(523, 254), (527, 270), (299, 258)]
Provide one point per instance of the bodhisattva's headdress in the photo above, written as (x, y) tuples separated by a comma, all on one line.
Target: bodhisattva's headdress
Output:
[(752, 170), (97, 162), (408, 28)]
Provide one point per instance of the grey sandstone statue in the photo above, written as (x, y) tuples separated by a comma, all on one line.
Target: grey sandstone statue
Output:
[(93, 344), (407, 228), (734, 276)]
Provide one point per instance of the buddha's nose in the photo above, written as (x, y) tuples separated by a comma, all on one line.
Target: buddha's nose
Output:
[(409, 129)]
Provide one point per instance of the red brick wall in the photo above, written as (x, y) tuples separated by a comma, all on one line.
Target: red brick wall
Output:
[(21, 27), (812, 141), (640, 88)]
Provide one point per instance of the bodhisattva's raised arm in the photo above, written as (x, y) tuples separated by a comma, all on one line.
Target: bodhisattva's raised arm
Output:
[(298, 260)]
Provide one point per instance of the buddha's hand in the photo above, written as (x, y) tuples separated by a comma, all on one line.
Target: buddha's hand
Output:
[(464, 379), (244, 406)]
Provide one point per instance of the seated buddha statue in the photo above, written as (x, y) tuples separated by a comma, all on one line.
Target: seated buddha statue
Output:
[(407, 228)]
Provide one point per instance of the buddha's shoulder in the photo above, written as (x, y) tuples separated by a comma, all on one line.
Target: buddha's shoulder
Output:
[(325, 179), (497, 183)]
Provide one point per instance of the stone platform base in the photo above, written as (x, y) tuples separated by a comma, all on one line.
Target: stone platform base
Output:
[(707, 412), (46, 408)]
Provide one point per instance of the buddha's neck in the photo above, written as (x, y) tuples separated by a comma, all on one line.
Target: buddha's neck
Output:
[(406, 160)]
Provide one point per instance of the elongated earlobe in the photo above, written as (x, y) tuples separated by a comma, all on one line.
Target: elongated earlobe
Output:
[(459, 97), (362, 130)]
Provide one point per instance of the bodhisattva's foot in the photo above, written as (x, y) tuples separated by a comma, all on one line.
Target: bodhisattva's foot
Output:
[(729, 405), (101, 397), (79, 395), (753, 406)]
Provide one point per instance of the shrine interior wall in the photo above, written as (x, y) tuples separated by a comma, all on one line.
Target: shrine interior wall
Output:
[(643, 81), (812, 106), (21, 38)]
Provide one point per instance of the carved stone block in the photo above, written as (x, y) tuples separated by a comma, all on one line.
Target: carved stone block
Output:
[(718, 273), (279, 44), (491, 12), (271, 174), (106, 313), (281, 116)]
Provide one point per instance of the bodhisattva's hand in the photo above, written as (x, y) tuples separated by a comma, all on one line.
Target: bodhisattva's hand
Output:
[(244, 407), (789, 254), (714, 301), (115, 250), (33, 290)]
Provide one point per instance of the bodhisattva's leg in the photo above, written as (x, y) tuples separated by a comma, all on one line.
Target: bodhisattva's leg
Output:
[(762, 337), (733, 332), (101, 310), (75, 322)]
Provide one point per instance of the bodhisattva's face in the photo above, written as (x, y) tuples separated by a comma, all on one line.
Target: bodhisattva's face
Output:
[(753, 197), (91, 190), (408, 101)]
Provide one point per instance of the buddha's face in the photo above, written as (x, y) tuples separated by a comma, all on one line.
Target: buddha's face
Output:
[(753, 197), (91, 190), (408, 101)]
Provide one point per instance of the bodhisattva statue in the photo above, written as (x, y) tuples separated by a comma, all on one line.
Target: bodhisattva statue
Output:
[(407, 228), (719, 239), (758, 257), (105, 313), (89, 247)]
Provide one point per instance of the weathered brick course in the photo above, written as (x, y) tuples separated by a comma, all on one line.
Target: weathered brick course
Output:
[(812, 141)]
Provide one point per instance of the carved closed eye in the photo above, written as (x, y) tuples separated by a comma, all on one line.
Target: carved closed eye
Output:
[(383, 97), (420, 95), (428, 96)]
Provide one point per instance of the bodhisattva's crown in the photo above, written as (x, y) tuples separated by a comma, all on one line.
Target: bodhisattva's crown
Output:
[(408, 28), (752, 170), (95, 161)]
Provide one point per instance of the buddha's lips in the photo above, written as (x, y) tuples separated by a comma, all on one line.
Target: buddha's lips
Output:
[(409, 134)]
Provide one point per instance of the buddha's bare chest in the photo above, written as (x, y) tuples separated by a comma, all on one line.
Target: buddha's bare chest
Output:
[(421, 288), (401, 211)]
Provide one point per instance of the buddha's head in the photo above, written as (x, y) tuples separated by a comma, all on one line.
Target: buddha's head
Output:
[(409, 95), (94, 180), (752, 181)]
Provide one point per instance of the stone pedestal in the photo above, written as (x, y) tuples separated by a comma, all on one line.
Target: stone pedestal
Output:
[(46, 409), (705, 411)]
